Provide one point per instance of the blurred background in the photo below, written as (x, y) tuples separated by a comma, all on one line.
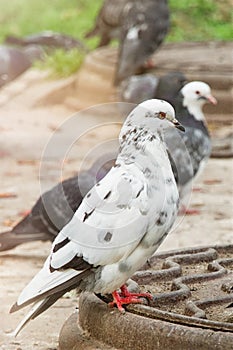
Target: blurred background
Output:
[(50, 72)]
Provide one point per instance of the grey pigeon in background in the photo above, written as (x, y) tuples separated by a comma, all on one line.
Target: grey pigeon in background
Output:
[(140, 26), (192, 148), (120, 223), (54, 209), (190, 151)]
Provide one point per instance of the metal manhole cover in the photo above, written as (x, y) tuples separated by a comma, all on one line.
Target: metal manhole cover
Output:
[(192, 287)]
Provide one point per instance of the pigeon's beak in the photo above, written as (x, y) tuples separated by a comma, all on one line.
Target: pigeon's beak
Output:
[(211, 99), (177, 125)]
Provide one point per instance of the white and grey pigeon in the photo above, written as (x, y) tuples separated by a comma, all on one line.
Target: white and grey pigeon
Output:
[(140, 26), (190, 151), (120, 222)]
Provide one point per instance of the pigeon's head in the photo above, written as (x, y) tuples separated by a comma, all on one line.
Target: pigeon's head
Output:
[(154, 115), (197, 93)]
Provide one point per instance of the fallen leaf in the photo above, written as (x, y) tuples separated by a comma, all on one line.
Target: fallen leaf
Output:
[(27, 162), (53, 127), (9, 223), (11, 173), (199, 189), (212, 182), (8, 195)]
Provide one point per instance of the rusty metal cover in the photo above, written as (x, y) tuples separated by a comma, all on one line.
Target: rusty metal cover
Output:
[(192, 289), (192, 286)]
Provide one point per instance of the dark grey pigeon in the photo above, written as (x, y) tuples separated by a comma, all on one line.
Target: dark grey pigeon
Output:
[(140, 27), (144, 29), (54, 209)]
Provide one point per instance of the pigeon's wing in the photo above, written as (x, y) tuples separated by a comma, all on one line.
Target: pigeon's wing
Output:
[(58, 205), (108, 225), (186, 152), (199, 147), (145, 25)]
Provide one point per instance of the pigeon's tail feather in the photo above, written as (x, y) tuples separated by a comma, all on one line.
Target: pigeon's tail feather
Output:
[(10, 239), (30, 315), (62, 283), (43, 301), (37, 308)]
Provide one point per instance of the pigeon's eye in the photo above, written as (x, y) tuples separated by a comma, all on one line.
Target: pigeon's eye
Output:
[(197, 92), (162, 115)]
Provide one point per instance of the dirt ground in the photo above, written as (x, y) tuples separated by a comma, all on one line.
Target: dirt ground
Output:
[(25, 130)]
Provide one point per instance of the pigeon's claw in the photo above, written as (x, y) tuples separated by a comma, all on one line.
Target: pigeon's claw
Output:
[(126, 293), (125, 297)]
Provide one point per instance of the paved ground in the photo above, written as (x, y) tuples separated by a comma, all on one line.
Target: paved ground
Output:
[(25, 130)]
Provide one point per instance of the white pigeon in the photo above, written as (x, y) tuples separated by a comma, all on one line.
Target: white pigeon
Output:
[(120, 222)]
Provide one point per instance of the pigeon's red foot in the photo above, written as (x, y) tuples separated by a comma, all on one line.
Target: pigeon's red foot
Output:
[(149, 64), (125, 297)]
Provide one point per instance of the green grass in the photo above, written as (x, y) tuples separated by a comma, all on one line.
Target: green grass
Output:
[(191, 20), (200, 20), (24, 17), (61, 63)]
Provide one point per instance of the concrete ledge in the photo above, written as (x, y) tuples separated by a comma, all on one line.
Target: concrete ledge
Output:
[(132, 332)]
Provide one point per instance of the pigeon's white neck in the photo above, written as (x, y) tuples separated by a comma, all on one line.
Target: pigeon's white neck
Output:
[(195, 108)]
